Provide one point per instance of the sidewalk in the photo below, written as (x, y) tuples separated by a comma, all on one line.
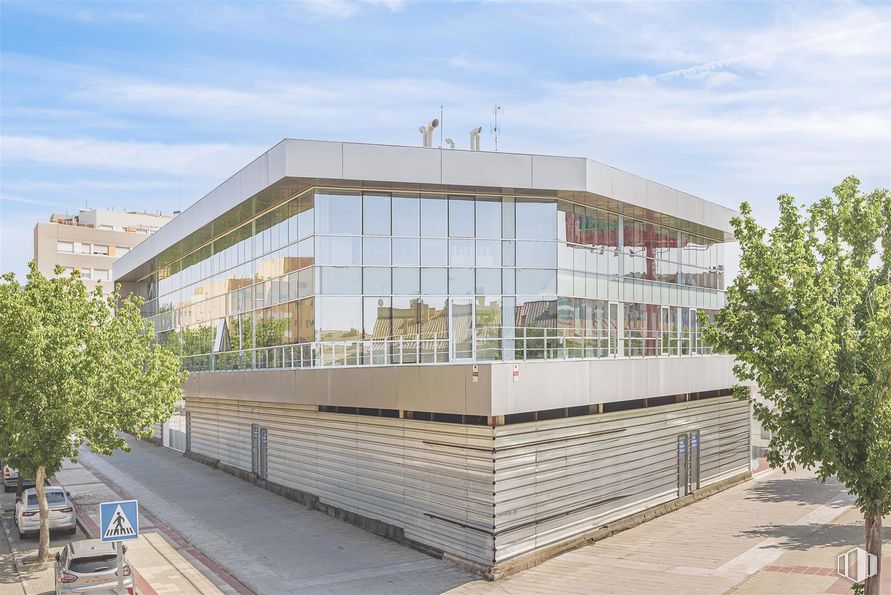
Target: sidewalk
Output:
[(777, 534), (756, 538), (273, 545), (162, 561)]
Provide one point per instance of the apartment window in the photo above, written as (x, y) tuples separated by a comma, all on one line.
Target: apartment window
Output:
[(101, 249), (121, 250), (102, 274), (86, 274), (83, 248), (65, 246)]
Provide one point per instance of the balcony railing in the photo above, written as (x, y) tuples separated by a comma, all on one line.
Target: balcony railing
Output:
[(483, 345)]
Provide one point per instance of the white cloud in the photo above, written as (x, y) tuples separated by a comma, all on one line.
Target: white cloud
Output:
[(126, 185), (198, 160), (727, 108), (30, 201), (347, 8)]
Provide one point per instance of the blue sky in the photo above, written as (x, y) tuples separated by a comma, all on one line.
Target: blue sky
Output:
[(150, 105)]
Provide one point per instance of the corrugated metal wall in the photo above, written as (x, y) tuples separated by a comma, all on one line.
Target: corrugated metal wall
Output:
[(561, 478), (432, 479), (553, 480)]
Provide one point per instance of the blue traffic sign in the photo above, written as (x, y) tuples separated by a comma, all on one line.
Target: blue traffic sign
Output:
[(119, 521)]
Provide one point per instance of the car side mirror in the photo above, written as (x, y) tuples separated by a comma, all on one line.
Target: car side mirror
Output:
[(67, 493)]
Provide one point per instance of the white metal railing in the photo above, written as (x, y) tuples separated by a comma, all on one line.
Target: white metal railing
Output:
[(473, 345)]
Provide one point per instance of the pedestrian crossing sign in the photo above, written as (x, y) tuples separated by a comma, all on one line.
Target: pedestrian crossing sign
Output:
[(119, 521)]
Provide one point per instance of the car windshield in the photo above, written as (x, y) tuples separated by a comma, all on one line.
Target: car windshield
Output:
[(51, 498), (93, 564)]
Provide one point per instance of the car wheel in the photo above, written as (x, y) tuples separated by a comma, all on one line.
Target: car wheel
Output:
[(72, 530)]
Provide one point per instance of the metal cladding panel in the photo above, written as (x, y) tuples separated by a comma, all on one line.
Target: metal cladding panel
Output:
[(480, 168), (551, 384), (561, 478), (391, 164), (432, 479)]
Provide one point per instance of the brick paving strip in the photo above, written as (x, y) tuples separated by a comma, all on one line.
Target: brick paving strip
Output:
[(171, 534), (179, 540), (92, 530), (801, 570)]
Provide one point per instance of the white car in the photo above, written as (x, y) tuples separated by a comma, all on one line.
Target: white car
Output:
[(11, 479), (61, 512), (90, 567)]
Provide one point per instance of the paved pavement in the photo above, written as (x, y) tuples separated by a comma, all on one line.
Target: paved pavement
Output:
[(755, 538), (160, 564), (273, 545), (10, 583), (208, 532), (17, 573)]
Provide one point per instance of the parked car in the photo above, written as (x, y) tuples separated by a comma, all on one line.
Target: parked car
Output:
[(90, 566), (11, 479), (61, 511)]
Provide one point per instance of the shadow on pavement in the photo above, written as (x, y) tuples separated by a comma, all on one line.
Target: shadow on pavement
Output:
[(794, 489), (804, 537)]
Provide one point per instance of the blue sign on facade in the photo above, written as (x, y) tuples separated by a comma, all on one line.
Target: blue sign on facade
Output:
[(119, 521)]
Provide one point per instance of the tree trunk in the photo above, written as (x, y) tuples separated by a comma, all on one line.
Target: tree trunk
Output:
[(873, 522), (40, 486), (20, 486)]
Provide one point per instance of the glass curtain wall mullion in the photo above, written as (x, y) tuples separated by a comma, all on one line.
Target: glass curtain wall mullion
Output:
[(432, 247)]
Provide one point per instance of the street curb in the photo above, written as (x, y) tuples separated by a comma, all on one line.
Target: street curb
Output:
[(19, 565), (185, 547), (83, 521), (17, 558)]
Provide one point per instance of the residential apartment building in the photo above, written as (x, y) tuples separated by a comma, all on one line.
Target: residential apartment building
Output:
[(90, 241), (491, 355)]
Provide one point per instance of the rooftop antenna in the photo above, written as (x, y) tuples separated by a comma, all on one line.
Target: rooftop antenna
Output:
[(441, 125), (495, 111)]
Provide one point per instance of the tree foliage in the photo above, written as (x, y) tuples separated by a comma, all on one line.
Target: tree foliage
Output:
[(808, 319), (76, 367)]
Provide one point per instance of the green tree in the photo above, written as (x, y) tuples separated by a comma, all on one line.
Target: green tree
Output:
[(808, 319), (76, 367)]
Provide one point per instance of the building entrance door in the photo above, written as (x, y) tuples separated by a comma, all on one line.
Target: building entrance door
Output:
[(461, 328), (688, 463)]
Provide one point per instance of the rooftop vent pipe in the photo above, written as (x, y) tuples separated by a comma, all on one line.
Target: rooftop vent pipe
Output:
[(475, 139), (427, 133), (450, 143)]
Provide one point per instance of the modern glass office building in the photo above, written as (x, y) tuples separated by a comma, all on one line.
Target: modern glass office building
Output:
[(395, 331)]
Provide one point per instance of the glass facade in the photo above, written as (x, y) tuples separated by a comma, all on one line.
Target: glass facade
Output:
[(401, 277)]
